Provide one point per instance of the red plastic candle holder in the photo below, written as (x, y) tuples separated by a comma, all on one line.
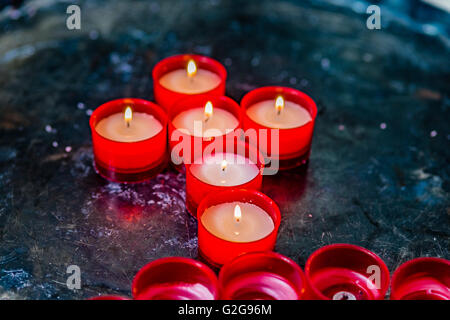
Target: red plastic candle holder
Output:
[(346, 272), (262, 276), (294, 143), (175, 278), (109, 297), (217, 251), (165, 97), (129, 162), (422, 279), (197, 190), (198, 144)]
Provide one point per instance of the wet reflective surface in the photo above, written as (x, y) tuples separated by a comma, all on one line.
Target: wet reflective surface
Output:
[(378, 175)]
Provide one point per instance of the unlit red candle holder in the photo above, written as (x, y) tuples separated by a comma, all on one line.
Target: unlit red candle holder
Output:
[(197, 144), (175, 278), (197, 190), (294, 143), (166, 97), (262, 276), (129, 162), (338, 271), (422, 279), (216, 251), (343, 272)]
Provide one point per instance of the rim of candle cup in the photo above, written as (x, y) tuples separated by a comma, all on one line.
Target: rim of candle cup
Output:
[(139, 282), (180, 61), (227, 269), (118, 105), (109, 297), (214, 199), (248, 147), (199, 101), (271, 92), (422, 265), (334, 248)]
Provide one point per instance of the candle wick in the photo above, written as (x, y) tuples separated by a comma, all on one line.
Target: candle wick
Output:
[(206, 120), (278, 111), (128, 124)]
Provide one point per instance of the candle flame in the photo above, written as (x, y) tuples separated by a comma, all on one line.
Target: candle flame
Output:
[(237, 213), (208, 110), (224, 164), (128, 115), (191, 68), (279, 104)]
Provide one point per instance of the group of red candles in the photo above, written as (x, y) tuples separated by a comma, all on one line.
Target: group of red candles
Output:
[(250, 270), (333, 272), (137, 161)]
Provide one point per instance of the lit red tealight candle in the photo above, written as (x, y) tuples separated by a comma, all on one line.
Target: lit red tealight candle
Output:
[(129, 138), (175, 278), (290, 111), (346, 272), (234, 222), (185, 75), (262, 276), (197, 121), (238, 166), (425, 278)]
